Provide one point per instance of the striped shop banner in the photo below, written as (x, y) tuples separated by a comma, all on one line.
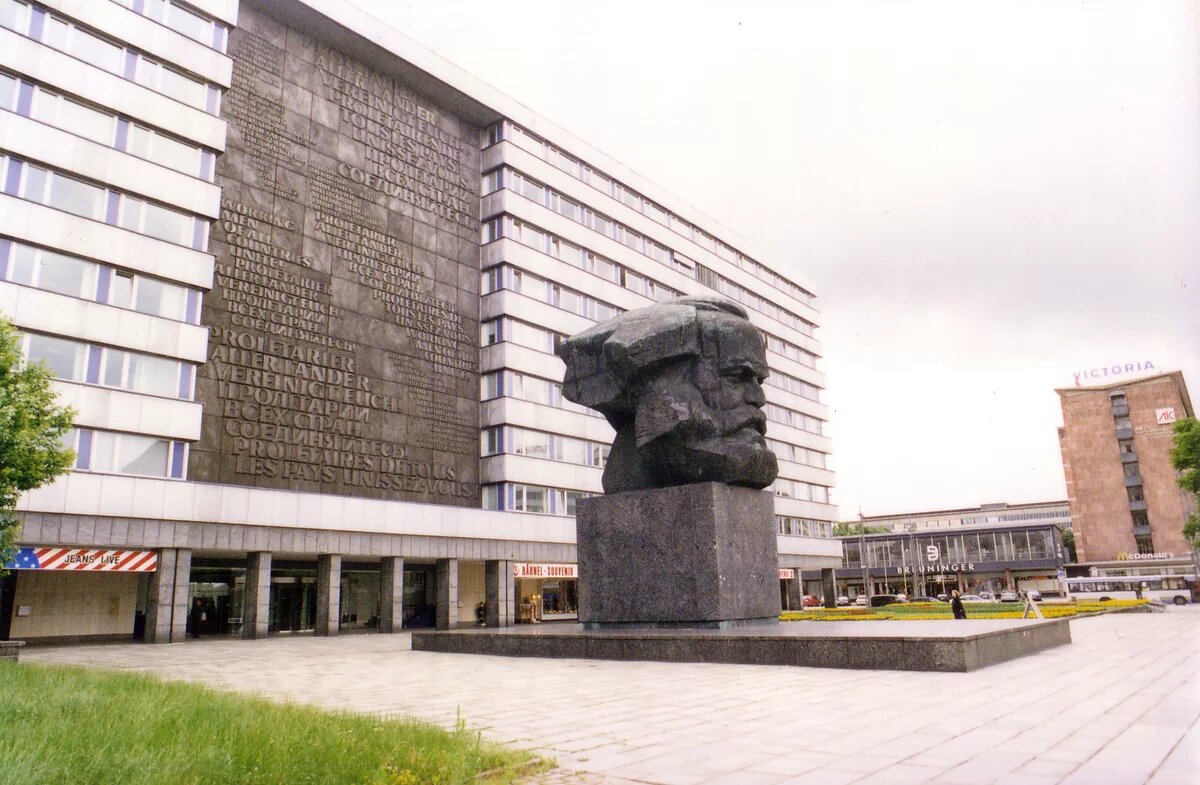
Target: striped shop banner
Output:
[(85, 559)]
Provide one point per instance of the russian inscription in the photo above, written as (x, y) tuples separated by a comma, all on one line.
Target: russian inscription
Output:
[(338, 360)]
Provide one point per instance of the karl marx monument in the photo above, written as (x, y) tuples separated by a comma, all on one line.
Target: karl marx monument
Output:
[(684, 535)]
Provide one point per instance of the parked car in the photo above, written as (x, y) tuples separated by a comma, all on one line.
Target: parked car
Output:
[(922, 598), (1034, 595), (843, 600), (860, 600), (1008, 595), (972, 598), (987, 595), (811, 601), (944, 597), (879, 600)]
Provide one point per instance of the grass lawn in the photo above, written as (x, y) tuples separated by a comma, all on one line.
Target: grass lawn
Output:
[(76, 726)]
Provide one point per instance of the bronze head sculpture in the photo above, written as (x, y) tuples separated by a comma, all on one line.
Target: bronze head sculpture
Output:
[(680, 382)]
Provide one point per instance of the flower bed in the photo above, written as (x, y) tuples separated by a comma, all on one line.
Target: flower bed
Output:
[(926, 611)]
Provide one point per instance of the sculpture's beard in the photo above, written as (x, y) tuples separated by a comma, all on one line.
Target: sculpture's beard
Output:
[(716, 446)]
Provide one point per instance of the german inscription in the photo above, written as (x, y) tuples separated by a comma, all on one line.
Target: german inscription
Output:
[(343, 347)]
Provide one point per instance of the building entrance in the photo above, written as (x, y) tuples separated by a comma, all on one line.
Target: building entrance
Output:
[(293, 601)]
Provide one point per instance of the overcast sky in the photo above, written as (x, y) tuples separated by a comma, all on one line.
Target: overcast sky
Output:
[(988, 196)]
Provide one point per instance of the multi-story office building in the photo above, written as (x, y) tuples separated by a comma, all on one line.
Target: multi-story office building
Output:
[(1116, 441), (1001, 513), (302, 281)]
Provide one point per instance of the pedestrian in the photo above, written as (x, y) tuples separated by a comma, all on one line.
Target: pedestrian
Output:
[(198, 615), (956, 605)]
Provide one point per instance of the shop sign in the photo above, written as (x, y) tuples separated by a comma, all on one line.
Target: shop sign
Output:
[(83, 559), (1123, 556), (786, 573), (1164, 416), (1113, 370), (937, 568), (523, 570)]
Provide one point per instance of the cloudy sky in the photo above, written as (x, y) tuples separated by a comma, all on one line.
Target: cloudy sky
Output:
[(989, 196)]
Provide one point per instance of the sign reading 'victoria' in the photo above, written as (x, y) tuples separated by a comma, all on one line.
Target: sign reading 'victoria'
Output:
[(344, 335)]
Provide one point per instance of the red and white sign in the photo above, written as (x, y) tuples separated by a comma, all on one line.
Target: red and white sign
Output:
[(786, 574), (524, 570), (1164, 416), (93, 560)]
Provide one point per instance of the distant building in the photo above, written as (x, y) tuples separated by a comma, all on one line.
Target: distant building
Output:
[(1056, 512), (1116, 441)]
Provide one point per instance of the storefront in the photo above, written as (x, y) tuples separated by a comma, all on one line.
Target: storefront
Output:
[(787, 576), (68, 594), (546, 592), (973, 560)]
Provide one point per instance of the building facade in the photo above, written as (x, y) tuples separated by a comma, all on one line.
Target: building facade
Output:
[(975, 559), (302, 281), (1056, 512), (1115, 442)]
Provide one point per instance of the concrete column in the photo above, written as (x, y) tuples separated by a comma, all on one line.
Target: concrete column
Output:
[(829, 586), (329, 594), (446, 575), (257, 614), (391, 594), (499, 588), (794, 593), (166, 614)]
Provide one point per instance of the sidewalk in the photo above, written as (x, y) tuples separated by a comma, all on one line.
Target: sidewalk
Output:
[(1118, 706)]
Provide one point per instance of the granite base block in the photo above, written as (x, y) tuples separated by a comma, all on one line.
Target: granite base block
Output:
[(911, 646), (10, 651), (700, 555)]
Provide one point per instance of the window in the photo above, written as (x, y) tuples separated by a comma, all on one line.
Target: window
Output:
[(64, 358), (51, 271), (1145, 543), (1136, 494), (1123, 423), (1140, 518), (127, 453), (1126, 446)]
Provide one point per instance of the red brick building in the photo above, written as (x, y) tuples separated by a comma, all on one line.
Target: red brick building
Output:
[(1116, 441)]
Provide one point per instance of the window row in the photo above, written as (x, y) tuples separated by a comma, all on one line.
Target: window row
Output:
[(518, 497), (56, 32), (568, 208), (1014, 545), (786, 416), (752, 300), (182, 20), (579, 213), (790, 383), (87, 200), (804, 527), (804, 491), (526, 234), (797, 454), (539, 444), (522, 333), (517, 280), (38, 103), (110, 452), (535, 389), (505, 226), (55, 272), (76, 361), (610, 187)]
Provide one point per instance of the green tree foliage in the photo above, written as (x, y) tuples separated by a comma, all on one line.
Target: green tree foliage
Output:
[(1068, 542), (1185, 457), (851, 529), (32, 427)]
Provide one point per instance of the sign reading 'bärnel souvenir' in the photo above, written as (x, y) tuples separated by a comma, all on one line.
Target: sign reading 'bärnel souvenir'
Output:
[(522, 570), (83, 559)]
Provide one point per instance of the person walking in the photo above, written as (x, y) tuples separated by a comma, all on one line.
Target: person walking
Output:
[(956, 605)]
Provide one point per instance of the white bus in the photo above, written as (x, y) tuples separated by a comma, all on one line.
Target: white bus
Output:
[(1162, 588)]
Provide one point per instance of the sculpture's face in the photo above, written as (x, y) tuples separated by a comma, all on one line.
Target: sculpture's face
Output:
[(702, 420)]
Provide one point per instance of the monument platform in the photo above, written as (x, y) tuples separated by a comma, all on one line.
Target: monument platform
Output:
[(951, 646)]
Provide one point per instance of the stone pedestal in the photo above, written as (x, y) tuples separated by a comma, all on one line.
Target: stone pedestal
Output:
[(701, 556)]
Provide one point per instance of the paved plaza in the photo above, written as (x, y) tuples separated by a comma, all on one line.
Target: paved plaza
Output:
[(1120, 705)]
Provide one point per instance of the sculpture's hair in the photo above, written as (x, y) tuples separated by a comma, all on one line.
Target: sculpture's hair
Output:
[(603, 361)]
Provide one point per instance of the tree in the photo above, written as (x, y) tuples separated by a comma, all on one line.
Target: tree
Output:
[(853, 529), (1185, 457), (32, 428), (1068, 543)]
